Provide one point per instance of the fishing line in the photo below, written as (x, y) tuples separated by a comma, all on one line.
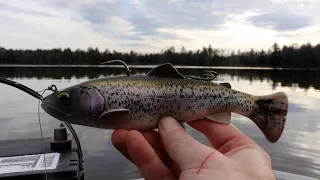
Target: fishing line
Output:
[(52, 88), (44, 155)]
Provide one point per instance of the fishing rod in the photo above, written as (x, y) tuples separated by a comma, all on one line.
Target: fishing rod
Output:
[(40, 97), (21, 87)]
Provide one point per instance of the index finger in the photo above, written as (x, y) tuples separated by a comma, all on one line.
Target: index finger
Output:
[(223, 137)]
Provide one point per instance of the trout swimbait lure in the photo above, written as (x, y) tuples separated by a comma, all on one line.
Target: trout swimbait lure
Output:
[(139, 101)]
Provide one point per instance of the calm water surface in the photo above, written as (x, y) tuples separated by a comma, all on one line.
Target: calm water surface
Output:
[(298, 150)]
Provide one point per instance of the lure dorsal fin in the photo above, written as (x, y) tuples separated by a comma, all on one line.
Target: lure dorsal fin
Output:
[(227, 85), (165, 70)]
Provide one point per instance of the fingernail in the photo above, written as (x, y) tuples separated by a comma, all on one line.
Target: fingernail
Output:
[(168, 124)]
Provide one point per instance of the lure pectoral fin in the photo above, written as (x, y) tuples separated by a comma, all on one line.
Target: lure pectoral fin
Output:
[(113, 115)]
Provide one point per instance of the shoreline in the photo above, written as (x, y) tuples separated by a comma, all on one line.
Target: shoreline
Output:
[(152, 66)]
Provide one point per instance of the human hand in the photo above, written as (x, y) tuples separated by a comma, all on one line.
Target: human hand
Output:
[(171, 153)]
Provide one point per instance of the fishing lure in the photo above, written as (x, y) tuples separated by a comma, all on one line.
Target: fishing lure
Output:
[(139, 101)]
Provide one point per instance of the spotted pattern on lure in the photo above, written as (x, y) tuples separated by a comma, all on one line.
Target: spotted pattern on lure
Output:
[(139, 101)]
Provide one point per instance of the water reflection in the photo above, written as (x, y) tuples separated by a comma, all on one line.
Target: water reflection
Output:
[(285, 78), (298, 150)]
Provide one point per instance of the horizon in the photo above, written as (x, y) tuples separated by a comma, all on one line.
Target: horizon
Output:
[(152, 26)]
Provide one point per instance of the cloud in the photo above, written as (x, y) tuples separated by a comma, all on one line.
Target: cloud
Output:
[(95, 13), (152, 25), (142, 45), (282, 20), (8, 7), (180, 14), (101, 14)]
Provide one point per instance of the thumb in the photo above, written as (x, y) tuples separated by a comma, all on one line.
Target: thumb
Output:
[(183, 149)]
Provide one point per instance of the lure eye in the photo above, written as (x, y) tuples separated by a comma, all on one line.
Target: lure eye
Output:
[(63, 97)]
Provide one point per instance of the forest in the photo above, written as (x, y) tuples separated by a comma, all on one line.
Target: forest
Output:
[(288, 56)]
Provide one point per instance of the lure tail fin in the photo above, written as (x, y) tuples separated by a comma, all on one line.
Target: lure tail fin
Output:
[(270, 114)]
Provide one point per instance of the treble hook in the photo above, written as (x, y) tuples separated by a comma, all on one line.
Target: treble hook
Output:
[(120, 61), (211, 76)]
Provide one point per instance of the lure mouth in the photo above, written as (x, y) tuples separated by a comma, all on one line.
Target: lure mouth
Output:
[(53, 111)]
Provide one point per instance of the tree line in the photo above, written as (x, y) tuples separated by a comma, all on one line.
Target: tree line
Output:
[(288, 56)]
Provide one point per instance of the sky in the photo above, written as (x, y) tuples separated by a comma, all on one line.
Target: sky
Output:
[(153, 25)]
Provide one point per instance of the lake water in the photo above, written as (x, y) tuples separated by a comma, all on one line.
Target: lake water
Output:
[(298, 150)]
